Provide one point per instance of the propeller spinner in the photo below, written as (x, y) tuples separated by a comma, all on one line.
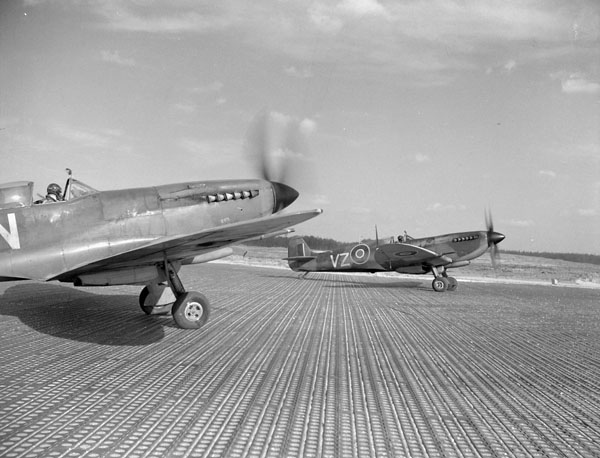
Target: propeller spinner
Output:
[(284, 195)]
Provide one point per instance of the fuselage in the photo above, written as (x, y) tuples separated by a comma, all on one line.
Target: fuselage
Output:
[(39, 241)]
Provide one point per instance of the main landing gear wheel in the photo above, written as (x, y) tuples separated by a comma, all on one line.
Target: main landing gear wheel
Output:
[(191, 310), (440, 284), (452, 283), (143, 296), (148, 309)]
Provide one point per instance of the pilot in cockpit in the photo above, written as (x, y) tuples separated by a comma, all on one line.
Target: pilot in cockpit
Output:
[(403, 238), (53, 194)]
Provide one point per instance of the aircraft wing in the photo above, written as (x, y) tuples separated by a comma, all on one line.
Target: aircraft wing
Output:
[(404, 255), (179, 248)]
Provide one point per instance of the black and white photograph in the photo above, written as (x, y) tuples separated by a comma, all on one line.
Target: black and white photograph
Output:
[(299, 228)]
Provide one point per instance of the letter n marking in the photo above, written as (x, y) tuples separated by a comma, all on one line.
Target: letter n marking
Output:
[(12, 235)]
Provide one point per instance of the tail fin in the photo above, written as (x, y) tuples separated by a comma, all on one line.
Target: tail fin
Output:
[(298, 253), (297, 247)]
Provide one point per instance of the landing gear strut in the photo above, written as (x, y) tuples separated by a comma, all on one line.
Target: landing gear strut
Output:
[(190, 309), (441, 281)]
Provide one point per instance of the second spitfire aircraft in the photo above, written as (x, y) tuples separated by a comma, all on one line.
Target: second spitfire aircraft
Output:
[(142, 235), (408, 255)]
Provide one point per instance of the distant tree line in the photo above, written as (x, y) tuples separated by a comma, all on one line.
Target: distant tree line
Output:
[(320, 243), (317, 243), (572, 257)]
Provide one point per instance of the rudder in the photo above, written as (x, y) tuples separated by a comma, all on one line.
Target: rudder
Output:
[(298, 253), (298, 248)]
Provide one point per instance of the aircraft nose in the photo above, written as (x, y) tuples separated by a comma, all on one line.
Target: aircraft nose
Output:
[(284, 195), (496, 237)]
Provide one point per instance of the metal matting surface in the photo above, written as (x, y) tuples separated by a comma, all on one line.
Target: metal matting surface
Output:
[(330, 365)]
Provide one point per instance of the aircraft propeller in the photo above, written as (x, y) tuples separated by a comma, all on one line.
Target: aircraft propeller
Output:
[(278, 146), (493, 238)]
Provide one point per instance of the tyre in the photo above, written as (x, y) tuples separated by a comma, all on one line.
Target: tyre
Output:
[(439, 284), (452, 284), (143, 296), (191, 310)]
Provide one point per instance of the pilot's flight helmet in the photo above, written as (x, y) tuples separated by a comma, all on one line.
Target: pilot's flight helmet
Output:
[(55, 189)]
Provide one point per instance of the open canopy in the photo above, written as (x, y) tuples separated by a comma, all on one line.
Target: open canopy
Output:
[(75, 188), (20, 193)]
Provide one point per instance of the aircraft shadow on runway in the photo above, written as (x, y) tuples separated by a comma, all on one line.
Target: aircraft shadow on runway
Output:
[(79, 315), (353, 283)]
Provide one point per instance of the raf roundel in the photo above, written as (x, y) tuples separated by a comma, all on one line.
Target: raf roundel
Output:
[(360, 253)]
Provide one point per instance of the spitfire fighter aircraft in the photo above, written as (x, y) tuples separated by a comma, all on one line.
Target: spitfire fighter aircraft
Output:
[(138, 236), (408, 255)]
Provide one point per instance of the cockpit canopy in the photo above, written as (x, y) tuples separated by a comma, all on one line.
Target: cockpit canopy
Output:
[(20, 193), (76, 188), (16, 194), (403, 238)]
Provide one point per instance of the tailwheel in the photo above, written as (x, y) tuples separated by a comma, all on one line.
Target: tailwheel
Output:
[(191, 310), (440, 284), (452, 283)]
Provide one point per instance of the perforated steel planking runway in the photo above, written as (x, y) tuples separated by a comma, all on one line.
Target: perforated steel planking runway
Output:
[(327, 366)]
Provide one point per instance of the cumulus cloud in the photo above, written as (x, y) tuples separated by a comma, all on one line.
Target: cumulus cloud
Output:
[(439, 207), (221, 151), (296, 72), (105, 140), (323, 20), (320, 199), (197, 147), (210, 88), (361, 210), (187, 108), (175, 17), (588, 212), (583, 151), (510, 66), (307, 126), (278, 138), (428, 19), (547, 173), (86, 138), (519, 223), (577, 84), (283, 124), (114, 57), (330, 17), (430, 40), (361, 8)]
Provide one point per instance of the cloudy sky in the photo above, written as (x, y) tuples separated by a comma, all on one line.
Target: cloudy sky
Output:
[(419, 114)]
